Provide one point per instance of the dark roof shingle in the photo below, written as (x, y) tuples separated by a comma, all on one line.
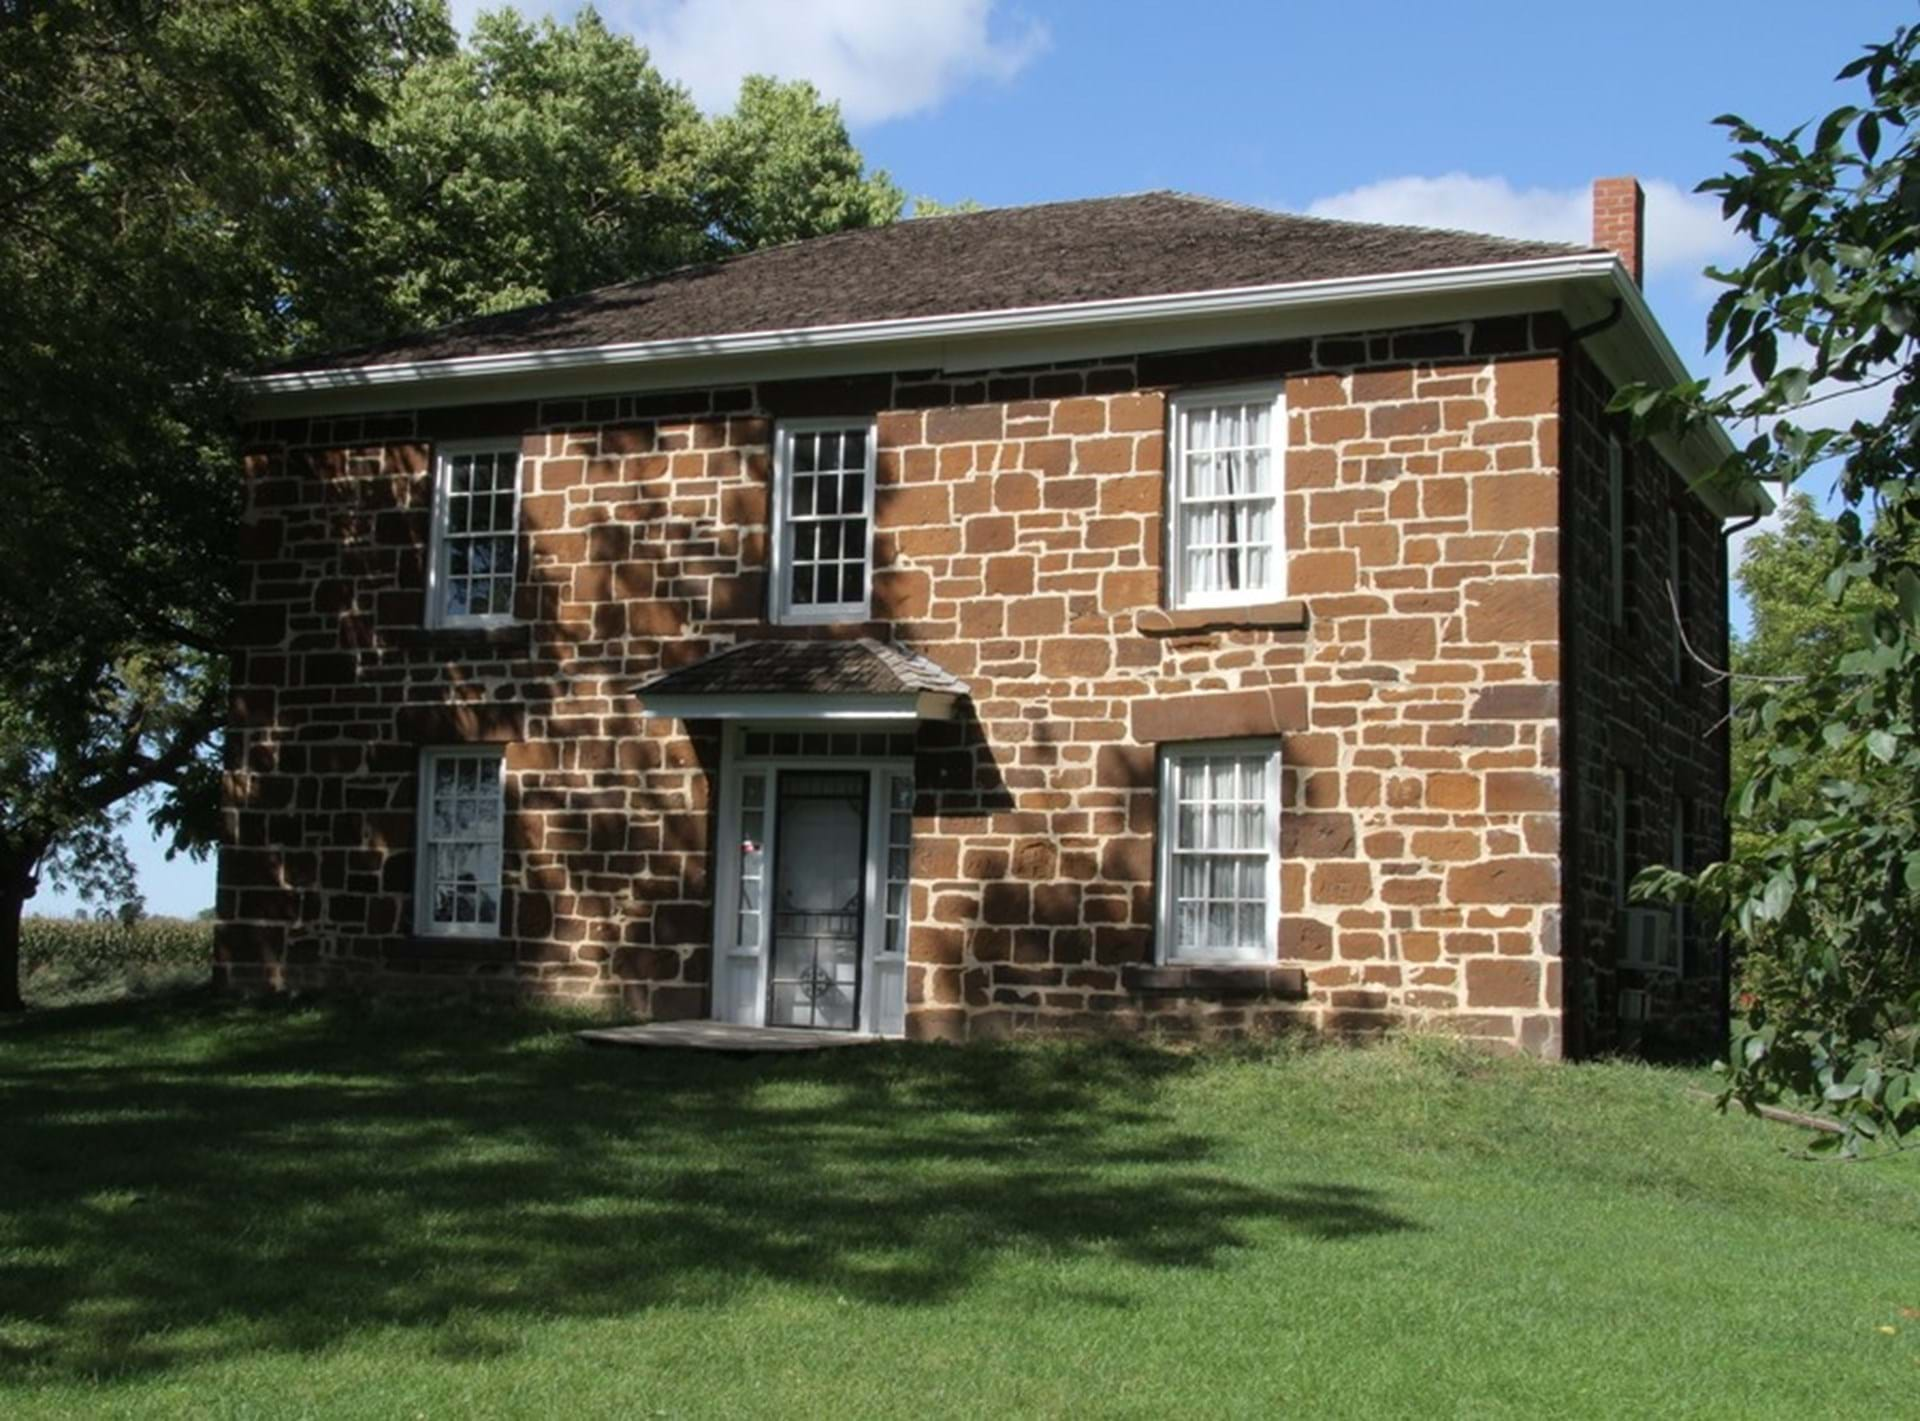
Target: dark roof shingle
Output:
[(753, 668), (1153, 244)]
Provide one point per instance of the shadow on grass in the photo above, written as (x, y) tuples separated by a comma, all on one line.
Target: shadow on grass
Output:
[(191, 1179)]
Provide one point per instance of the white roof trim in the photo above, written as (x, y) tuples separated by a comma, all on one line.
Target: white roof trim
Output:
[(1017, 320), (911, 706)]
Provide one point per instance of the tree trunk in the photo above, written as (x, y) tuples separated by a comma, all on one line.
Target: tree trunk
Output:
[(17, 884)]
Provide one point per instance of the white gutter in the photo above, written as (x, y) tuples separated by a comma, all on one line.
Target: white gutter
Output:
[(1245, 300)]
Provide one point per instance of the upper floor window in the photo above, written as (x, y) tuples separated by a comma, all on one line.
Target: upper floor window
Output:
[(476, 511), (1225, 533), (823, 520), (1219, 888), (461, 809)]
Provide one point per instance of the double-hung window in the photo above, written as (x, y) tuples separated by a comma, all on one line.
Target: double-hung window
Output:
[(1219, 893), (457, 893), (823, 520), (1225, 535), (476, 515)]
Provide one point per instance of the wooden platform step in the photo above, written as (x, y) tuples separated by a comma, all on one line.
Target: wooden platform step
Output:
[(722, 1036)]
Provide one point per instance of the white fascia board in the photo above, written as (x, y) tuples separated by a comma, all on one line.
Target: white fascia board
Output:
[(1635, 348), (922, 705), (891, 343)]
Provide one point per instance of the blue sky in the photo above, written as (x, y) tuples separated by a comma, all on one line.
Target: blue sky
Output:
[(1485, 114)]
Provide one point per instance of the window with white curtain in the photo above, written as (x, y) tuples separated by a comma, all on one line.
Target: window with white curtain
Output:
[(1227, 470), (476, 515), (1219, 888), (461, 811)]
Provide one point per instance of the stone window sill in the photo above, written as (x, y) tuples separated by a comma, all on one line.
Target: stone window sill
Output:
[(1273, 616), (1225, 980)]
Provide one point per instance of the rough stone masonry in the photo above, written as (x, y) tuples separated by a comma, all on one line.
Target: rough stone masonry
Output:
[(1420, 677)]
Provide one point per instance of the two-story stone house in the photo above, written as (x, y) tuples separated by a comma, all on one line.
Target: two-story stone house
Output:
[(1103, 615)]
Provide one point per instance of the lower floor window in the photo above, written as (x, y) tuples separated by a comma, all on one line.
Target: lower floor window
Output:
[(460, 821), (1219, 851)]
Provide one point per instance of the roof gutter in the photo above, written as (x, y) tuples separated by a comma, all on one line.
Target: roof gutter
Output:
[(1246, 300), (1631, 348)]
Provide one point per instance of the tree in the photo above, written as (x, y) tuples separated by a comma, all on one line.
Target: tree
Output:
[(547, 159), (1825, 906), (191, 191), (1796, 630), (168, 174)]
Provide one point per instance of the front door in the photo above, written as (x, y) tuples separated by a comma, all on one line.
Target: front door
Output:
[(820, 876)]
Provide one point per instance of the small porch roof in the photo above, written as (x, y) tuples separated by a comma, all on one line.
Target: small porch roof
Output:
[(805, 680)]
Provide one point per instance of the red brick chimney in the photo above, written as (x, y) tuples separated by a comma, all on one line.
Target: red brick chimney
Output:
[(1620, 222)]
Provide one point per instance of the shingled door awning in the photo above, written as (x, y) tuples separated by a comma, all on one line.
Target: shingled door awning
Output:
[(805, 680)]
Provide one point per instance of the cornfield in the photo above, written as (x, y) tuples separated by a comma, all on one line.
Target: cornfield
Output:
[(76, 948)]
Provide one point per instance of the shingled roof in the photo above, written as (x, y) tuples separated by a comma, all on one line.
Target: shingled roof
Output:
[(1058, 253), (845, 668)]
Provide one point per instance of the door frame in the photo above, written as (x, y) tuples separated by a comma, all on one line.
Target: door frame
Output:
[(740, 971)]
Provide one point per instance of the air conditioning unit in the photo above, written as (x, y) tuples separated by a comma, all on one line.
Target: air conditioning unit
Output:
[(1646, 940), (1635, 1003)]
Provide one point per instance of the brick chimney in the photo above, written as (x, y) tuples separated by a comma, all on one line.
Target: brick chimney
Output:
[(1620, 222)]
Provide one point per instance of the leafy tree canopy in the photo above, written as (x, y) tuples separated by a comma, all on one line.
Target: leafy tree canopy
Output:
[(190, 191), (1822, 896)]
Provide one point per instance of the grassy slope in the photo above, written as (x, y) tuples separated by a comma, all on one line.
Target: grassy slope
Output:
[(209, 1210)]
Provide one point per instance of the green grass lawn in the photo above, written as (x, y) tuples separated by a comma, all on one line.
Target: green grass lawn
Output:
[(214, 1210)]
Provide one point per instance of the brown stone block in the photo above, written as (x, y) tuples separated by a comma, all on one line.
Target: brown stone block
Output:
[(1509, 609), (1037, 616), (1006, 903), (1124, 767), (1127, 860), (1314, 574), (1510, 501), (1506, 880), (458, 724), (1080, 416), (1502, 982), (1057, 904), (1454, 845), (1399, 421), (1526, 387), (1519, 792), (1373, 386), (989, 534), (1402, 639), (1124, 591), (902, 593), (1220, 715), (1341, 883), (1127, 414), (1305, 940), (1010, 576), (1076, 656), (682, 923), (1133, 493), (1447, 790), (911, 505), (1062, 493), (1517, 701), (1313, 835), (970, 424)]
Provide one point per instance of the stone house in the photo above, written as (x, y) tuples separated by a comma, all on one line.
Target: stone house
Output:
[(1144, 613)]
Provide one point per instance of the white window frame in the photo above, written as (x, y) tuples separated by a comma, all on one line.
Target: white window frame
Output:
[(780, 600), (423, 923), (1179, 408), (1171, 756), (443, 457), (1616, 531)]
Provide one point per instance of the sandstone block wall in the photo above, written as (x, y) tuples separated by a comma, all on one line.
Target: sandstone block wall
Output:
[(1413, 675)]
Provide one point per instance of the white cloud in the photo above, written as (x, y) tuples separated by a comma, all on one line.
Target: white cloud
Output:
[(1684, 230), (881, 59)]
